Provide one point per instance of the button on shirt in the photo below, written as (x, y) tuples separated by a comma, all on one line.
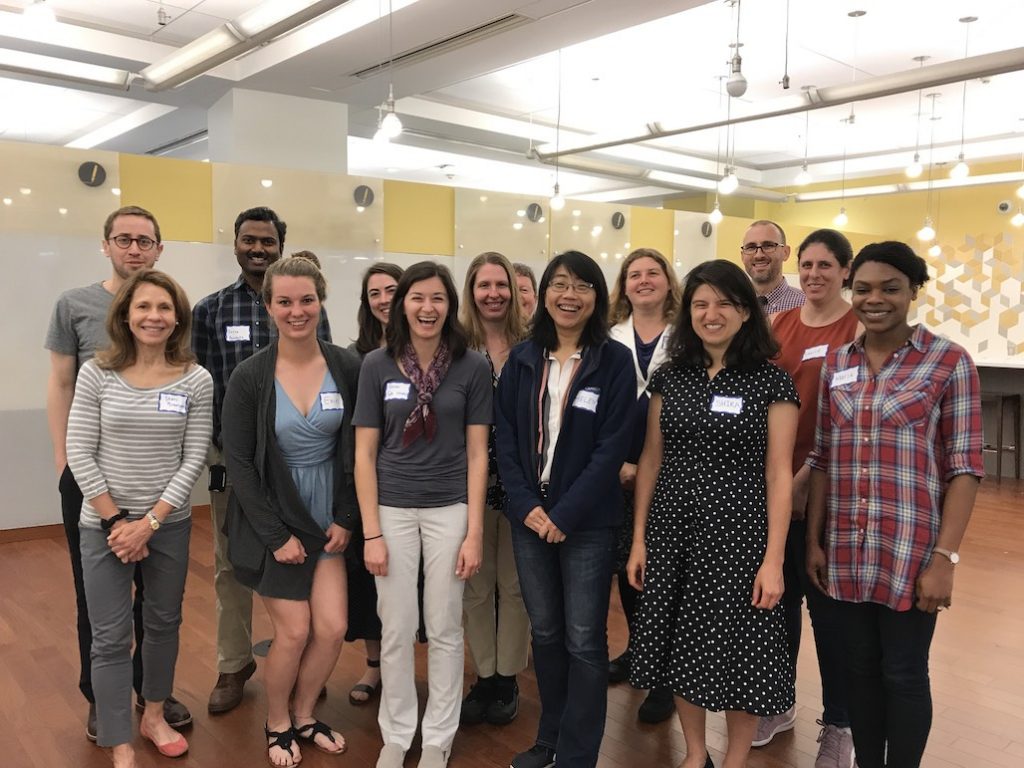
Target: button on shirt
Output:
[(890, 444), (230, 326)]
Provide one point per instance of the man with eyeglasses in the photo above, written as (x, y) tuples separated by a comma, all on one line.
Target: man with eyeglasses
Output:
[(230, 326), (764, 250), (131, 240)]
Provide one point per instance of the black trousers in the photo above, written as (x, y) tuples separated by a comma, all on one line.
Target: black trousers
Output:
[(71, 512)]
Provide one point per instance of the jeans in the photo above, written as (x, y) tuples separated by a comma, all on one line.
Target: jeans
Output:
[(825, 623), (565, 587), (71, 512), (108, 584), (890, 694)]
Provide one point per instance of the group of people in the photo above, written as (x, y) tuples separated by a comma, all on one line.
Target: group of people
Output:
[(480, 475)]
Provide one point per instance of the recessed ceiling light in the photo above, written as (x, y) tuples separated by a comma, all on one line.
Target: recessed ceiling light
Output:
[(62, 211), (25, 191), (266, 183), (517, 225), (116, 191), (7, 201)]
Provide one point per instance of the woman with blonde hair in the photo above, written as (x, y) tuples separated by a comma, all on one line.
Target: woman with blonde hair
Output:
[(643, 305), (498, 640), (289, 443), (137, 434)]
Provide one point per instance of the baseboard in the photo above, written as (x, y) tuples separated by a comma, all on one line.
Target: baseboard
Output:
[(38, 532)]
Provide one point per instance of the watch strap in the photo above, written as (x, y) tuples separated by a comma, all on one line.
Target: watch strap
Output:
[(953, 557), (106, 523)]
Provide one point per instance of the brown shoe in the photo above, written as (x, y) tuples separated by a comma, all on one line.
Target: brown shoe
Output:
[(227, 694)]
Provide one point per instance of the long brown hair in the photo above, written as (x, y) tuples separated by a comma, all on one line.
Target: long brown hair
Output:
[(620, 306), (122, 351), (514, 329), (371, 330)]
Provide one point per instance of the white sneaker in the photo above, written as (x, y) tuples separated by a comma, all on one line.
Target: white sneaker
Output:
[(433, 757), (768, 727), (836, 750), (391, 756)]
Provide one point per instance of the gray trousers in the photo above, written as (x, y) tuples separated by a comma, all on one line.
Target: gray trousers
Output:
[(108, 589)]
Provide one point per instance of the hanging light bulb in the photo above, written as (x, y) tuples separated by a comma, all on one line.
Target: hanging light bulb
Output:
[(926, 233), (557, 202), (716, 214), (390, 124), (728, 183), (804, 177), (841, 219), (1018, 218), (935, 251), (961, 170), (915, 169), (736, 85)]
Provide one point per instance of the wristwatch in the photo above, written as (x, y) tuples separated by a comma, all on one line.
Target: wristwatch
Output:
[(953, 557), (153, 522), (106, 523)]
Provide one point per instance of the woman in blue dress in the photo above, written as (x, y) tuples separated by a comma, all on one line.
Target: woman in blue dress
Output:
[(289, 442)]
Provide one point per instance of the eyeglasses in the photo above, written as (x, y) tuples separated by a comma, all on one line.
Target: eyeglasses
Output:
[(561, 286), (767, 248), (124, 241)]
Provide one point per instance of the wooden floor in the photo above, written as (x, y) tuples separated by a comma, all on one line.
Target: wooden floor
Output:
[(977, 674)]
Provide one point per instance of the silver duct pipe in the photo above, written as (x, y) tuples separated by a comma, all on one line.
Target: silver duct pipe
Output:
[(933, 76)]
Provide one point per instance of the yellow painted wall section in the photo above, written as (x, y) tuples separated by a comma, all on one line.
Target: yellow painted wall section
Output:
[(178, 192), (652, 228), (419, 218)]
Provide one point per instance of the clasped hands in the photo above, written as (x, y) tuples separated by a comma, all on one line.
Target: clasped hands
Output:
[(128, 540), (539, 522)]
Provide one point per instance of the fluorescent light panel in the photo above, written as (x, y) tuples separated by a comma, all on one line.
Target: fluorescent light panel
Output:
[(1012, 177), (63, 69)]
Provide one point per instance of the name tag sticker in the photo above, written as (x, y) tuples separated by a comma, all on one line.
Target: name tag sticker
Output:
[(586, 399), (172, 402), (237, 333), (397, 390), (722, 404), (813, 353), (842, 378), (331, 401)]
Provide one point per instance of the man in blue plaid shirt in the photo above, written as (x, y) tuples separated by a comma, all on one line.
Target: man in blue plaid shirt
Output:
[(227, 327)]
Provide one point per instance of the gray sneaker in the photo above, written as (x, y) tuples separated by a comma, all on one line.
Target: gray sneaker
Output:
[(768, 727), (836, 747)]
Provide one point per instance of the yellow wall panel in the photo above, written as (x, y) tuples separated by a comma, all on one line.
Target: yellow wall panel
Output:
[(419, 218), (652, 228), (178, 192)]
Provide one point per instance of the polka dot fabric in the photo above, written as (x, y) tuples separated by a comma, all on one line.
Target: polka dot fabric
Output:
[(697, 632)]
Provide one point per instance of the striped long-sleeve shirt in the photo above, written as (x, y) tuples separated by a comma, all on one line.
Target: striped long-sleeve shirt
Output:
[(140, 445)]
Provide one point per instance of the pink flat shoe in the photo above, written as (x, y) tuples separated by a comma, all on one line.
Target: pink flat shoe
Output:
[(175, 748)]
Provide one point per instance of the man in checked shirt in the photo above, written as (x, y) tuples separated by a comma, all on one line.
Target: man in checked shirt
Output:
[(228, 327)]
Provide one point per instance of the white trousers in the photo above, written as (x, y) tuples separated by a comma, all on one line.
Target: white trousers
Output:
[(439, 533)]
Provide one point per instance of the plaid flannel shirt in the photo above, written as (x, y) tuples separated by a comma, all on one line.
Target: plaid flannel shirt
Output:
[(890, 444)]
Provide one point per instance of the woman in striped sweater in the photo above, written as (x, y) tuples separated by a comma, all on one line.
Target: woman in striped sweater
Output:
[(137, 435)]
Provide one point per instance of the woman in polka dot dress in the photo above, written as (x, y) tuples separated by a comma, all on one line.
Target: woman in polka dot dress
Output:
[(712, 511)]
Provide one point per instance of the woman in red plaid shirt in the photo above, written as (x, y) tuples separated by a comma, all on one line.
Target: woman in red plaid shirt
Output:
[(894, 473)]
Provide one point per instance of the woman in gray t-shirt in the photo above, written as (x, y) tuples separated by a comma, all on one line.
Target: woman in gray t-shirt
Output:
[(422, 420)]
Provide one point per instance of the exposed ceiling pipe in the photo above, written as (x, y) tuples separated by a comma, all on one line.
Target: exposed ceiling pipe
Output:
[(933, 76)]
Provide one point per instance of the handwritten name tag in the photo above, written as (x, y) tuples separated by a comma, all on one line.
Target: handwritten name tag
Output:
[(331, 401), (813, 353), (237, 333), (722, 404), (172, 402), (842, 378), (586, 399), (397, 390)]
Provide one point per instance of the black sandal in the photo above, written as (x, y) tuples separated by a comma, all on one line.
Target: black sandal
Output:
[(309, 732), (369, 690), (283, 740)]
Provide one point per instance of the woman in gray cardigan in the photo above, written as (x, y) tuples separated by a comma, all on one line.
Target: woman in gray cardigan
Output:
[(288, 444)]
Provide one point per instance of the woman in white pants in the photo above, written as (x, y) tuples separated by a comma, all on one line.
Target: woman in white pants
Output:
[(422, 420)]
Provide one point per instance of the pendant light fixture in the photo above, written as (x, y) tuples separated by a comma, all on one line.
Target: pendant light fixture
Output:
[(389, 125), (557, 202), (716, 213), (841, 219), (804, 177), (736, 85), (715, 216), (961, 170), (915, 168), (927, 232)]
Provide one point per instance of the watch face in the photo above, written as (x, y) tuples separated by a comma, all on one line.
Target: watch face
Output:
[(954, 558)]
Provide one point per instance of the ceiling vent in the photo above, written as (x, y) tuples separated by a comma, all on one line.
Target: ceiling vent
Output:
[(448, 44)]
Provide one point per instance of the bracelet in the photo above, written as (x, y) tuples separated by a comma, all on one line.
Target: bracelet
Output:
[(106, 523), (371, 538)]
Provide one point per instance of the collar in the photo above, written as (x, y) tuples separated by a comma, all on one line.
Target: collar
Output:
[(577, 355), (779, 290), (241, 285), (920, 338)]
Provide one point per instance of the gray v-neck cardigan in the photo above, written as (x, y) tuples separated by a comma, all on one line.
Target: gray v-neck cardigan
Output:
[(264, 509)]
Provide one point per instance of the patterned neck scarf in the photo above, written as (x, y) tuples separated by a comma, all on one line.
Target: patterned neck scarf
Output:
[(423, 420)]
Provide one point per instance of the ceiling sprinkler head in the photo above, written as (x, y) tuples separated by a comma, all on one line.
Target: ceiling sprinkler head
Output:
[(736, 85)]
